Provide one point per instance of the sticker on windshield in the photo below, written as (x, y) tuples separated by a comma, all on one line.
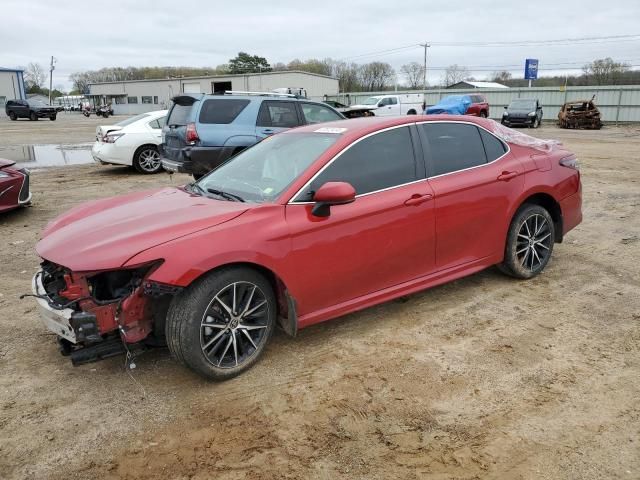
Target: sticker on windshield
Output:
[(330, 130)]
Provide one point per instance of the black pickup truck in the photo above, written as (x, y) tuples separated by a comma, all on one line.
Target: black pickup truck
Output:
[(31, 109)]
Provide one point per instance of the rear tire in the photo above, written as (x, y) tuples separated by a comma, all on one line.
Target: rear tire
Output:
[(146, 160), (240, 328), (483, 114), (529, 242), (13, 116)]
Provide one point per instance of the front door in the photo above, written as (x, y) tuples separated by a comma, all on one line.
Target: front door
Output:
[(384, 238)]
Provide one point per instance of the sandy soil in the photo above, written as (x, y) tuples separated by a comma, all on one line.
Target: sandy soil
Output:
[(486, 377)]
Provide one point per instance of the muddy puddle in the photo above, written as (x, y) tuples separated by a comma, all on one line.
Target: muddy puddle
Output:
[(41, 156)]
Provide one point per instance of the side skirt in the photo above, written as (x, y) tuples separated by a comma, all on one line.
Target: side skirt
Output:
[(381, 296)]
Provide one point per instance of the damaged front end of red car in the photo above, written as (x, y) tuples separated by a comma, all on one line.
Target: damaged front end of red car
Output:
[(99, 314)]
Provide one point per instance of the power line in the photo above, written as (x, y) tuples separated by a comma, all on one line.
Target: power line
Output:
[(513, 43)]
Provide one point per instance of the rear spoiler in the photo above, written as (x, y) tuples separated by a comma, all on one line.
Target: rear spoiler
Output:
[(186, 100)]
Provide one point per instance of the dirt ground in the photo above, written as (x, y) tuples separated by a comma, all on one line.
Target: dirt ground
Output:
[(486, 377)]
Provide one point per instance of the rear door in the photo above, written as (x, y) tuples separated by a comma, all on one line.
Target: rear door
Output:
[(173, 133), (475, 181), (276, 116)]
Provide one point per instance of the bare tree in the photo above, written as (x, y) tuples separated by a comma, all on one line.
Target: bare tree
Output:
[(34, 76), (605, 71), (455, 73), (376, 76), (348, 76), (414, 73), (501, 77)]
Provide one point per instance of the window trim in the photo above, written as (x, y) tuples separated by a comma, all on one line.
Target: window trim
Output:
[(417, 158), (427, 154)]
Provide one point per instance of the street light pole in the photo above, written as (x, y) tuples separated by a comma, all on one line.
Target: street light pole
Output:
[(51, 69)]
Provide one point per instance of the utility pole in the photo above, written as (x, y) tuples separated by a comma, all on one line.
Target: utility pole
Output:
[(424, 82), (51, 69)]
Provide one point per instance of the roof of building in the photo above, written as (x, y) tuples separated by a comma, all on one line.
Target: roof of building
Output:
[(2, 69), (475, 84), (277, 72)]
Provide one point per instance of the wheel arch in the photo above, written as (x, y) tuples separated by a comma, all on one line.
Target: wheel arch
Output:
[(551, 205), (287, 309), (139, 149)]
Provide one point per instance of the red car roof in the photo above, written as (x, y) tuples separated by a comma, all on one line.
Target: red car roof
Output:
[(358, 127)]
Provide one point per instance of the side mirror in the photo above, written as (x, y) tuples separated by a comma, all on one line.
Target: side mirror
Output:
[(332, 193), (505, 107)]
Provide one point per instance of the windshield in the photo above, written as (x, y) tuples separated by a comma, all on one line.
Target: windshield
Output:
[(261, 173), (371, 101), (129, 121), (38, 103), (523, 104)]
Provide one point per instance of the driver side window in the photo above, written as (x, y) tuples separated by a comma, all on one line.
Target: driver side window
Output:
[(378, 162)]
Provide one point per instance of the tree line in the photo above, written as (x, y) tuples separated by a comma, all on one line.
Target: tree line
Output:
[(352, 77)]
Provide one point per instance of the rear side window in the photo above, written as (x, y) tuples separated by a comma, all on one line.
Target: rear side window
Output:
[(453, 147), (317, 113), (493, 147), (221, 111), (381, 161), (278, 114)]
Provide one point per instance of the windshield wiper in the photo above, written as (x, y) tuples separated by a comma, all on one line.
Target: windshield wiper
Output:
[(226, 195)]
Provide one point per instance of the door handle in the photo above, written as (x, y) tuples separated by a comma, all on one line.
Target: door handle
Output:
[(417, 199), (506, 176)]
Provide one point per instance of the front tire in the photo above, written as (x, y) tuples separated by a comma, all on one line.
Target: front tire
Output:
[(52, 118), (33, 116), (536, 123), (220, 325), (529, 242), (147, 160)]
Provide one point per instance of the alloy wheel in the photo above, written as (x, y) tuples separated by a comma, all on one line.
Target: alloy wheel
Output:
[(533, 245), (149, 160), (234, 325)]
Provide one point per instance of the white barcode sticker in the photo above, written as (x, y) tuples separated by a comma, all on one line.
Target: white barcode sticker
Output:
[(330, 130)]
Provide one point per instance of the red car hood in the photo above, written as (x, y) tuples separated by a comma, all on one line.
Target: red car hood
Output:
[(104, 234)]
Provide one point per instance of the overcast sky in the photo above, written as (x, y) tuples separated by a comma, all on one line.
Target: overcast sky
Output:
[(86, 35)]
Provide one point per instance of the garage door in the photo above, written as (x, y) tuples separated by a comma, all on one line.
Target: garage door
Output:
[(191, 87)]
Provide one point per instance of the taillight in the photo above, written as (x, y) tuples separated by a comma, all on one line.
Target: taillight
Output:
[(570, 162), (191, 134), (112, 137)]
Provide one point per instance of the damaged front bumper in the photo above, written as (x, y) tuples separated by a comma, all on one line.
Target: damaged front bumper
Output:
[(56, 320), (100, 314)]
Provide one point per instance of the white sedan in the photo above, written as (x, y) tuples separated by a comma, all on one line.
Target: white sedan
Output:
[(133, 141)]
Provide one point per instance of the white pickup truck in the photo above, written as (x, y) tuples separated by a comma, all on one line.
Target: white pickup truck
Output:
[(387, 105)]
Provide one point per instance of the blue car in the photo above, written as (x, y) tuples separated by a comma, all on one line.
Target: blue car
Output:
[(203, 131), (453, 105)]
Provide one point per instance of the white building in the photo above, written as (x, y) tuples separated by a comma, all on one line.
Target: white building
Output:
[(138, 96), (11, 86)]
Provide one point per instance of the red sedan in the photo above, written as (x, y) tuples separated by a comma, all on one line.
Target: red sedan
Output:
[(14, 186), (303, 227)]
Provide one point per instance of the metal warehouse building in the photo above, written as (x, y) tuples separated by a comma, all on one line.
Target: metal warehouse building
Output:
[(11, 85), (138, 96)]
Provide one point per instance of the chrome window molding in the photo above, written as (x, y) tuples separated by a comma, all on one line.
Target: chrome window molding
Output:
[(292, 200)]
